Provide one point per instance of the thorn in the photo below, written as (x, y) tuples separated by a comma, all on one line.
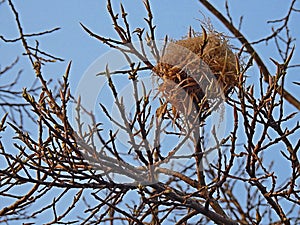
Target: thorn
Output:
[(66, 75), (204, 34), (275, 62), (288, 59), (237, 65)]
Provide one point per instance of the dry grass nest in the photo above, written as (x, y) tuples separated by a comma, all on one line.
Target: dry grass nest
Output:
[(197, 69)]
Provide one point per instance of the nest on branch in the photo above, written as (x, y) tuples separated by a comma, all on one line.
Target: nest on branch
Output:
[(196, 71)]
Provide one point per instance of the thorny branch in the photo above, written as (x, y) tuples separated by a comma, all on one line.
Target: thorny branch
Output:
[(63, 163), (249, 48)]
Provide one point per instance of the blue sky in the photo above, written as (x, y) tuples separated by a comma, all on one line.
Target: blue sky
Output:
[(72, 43), (172, 17)]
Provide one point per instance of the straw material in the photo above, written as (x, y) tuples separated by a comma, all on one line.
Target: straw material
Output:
[(196, 70)]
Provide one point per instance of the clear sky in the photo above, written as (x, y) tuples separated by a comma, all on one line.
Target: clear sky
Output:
[(172, 17)]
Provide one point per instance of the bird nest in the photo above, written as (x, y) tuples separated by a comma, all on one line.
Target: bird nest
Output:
[(196, 71)]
